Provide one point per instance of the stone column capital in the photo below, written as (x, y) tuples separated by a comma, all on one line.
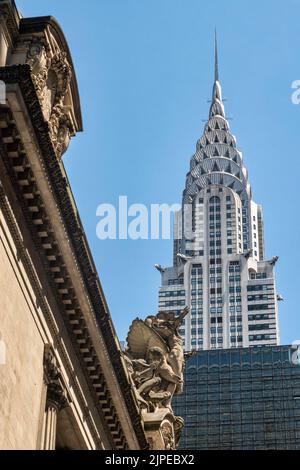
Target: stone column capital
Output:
[(56, 397), (56, 392)]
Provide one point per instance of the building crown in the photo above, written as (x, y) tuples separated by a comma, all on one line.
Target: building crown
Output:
[(217, 160)]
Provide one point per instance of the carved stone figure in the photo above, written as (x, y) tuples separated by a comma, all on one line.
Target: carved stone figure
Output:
[(155, 361), (167, 324)]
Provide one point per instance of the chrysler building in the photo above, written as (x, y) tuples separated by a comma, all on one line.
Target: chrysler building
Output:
[(219, 267)]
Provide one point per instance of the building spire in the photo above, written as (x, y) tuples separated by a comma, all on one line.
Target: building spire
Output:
[(217, 107), (216, 58)]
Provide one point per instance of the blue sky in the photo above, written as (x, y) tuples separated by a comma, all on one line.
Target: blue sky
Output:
[(145, 72)]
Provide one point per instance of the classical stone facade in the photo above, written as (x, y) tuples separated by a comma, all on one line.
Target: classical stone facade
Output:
[(64, 382)]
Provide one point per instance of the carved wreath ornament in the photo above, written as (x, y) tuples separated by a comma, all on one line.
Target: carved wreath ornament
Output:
[(52, 74)]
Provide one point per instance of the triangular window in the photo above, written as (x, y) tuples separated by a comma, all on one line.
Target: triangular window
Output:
[(215, 167), (228, 169)]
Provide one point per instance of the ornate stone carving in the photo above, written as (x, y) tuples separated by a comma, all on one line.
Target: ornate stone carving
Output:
[(38, 57), (163, 429), (60, 129), (52, 74), (167, 431), (56, 395), (178, 427), (155, 361), (51, 371), (62, 69)]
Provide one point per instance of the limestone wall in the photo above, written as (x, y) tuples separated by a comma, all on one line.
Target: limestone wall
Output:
[(21, 376)]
